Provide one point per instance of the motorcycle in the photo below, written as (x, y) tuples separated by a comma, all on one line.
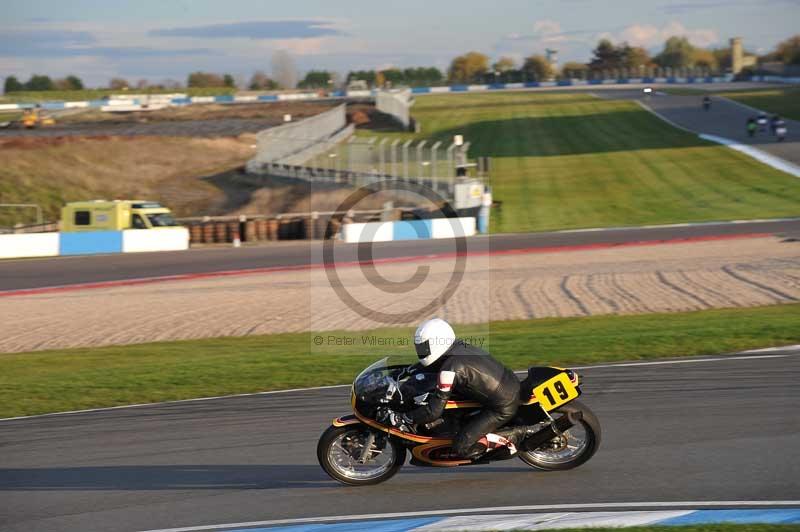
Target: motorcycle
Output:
[(364, 448)]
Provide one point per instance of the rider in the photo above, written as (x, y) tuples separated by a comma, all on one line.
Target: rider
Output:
[(706, 103), (470, 373), (762, 122)]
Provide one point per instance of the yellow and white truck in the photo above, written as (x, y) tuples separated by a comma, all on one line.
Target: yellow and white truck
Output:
[(116, 215)]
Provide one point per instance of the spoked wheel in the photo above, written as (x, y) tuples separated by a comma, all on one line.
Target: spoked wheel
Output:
[(342, 454), (575, 447)]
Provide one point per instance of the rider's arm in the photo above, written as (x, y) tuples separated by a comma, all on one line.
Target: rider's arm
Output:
[(436, 400)]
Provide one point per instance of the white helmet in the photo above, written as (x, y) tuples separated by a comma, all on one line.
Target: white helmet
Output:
[(432, 339)]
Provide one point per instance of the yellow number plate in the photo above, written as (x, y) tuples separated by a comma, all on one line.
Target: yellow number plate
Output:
[(555, 392)]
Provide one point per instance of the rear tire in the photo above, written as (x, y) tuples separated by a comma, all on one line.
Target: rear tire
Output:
[(589, 429), (330, 447)]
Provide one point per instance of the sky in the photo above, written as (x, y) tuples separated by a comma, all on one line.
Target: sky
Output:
[(167, 39)]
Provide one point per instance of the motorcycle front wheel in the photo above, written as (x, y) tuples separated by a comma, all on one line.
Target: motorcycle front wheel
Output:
[(340, 452), (577, 445)]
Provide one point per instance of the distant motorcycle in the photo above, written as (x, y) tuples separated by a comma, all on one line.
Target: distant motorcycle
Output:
[(358, 449), (762, 123)]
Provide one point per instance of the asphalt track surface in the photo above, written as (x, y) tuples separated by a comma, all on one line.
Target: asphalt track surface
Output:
[(726, 118), (62, 271), (691, 430)]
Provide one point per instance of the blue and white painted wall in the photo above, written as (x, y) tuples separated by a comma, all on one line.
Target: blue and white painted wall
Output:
[(126, 104), (93, 242), (227, 98), (408, 230)]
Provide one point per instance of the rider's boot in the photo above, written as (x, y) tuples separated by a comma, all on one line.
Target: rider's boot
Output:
[(517, 435)]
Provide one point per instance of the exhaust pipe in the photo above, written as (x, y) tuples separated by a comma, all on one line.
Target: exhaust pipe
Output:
[(563, 424)]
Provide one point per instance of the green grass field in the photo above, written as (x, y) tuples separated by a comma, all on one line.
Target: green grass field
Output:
[(52, 381), (567, 160)]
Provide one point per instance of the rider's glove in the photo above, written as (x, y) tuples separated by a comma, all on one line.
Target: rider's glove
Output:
[(398, 420)]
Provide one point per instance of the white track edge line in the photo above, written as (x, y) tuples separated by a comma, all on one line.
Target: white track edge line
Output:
[(539, 507), (732, 356)]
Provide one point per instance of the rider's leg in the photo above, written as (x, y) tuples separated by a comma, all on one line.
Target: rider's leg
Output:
[(466, 442)]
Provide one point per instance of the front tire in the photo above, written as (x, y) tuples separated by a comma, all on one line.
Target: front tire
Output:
[(582, 441), (338, 450)]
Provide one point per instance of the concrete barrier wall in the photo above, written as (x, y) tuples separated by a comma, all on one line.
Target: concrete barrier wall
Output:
[(29, 245), (93, 242), (408, 230), (90, 243), (163, 239)]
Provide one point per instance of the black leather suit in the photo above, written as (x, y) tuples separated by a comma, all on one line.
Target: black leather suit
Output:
[(472, 374)]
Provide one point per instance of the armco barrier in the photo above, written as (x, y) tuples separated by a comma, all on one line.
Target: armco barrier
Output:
[(289, 143), (408, 230), (29, 245), (90, 242), (162, 239), (396, 103)]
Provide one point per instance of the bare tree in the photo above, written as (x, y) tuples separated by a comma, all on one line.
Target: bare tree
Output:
[(118, 84), (283, 69)]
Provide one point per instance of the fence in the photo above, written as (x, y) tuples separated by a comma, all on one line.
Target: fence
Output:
[(396, 103), (365, 161), (296, 142)]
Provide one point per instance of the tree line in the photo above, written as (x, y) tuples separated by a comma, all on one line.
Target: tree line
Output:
[(39, 82), (608, 59)]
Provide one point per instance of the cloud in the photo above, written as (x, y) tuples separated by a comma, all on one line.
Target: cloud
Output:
[(276, 29), (545, 34), (548, 31), (650, 36), (59, 43), (19, 40)]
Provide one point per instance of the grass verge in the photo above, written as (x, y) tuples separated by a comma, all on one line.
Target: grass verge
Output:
[(52, 171), (60, 380), (570, 160)]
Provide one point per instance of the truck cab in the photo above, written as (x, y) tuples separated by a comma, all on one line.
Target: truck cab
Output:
[(116, 215)]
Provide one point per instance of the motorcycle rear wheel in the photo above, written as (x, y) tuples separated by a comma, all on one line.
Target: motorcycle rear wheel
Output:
[(335, 454), (583, 440)]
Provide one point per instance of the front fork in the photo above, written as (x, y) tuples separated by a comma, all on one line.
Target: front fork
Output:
[(367, 448)]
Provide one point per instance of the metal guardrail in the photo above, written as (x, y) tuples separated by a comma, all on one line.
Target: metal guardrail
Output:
[(36, 206)]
